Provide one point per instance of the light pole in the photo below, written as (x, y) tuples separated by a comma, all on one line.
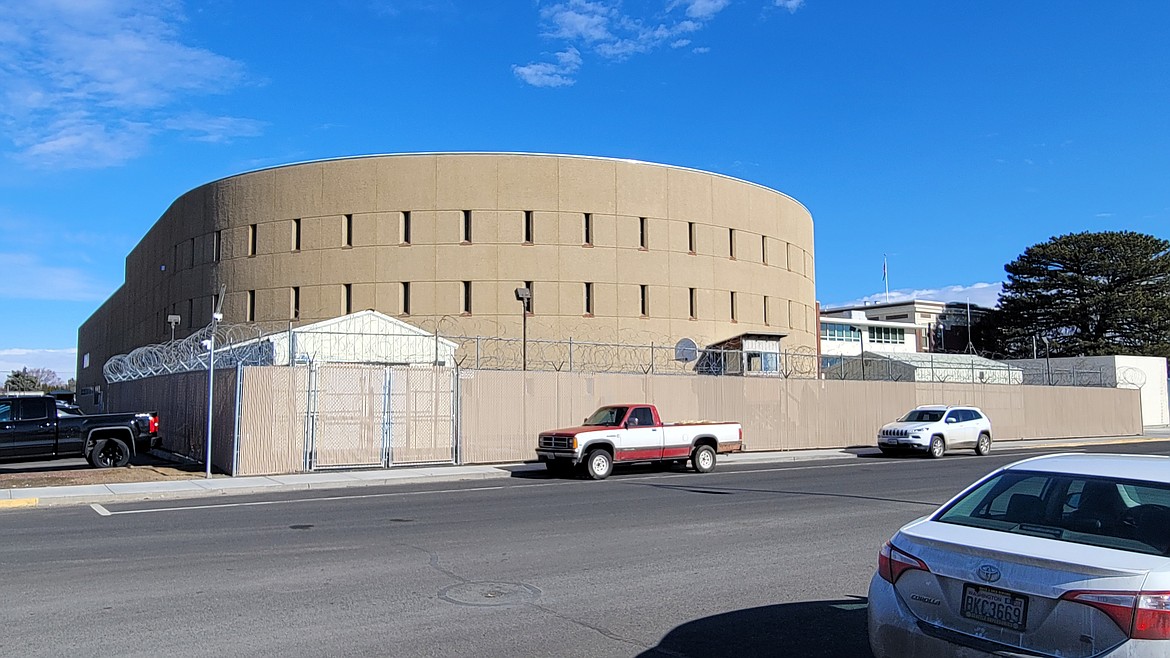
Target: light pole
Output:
[(524, 296), (216, 316), (1047, 361)]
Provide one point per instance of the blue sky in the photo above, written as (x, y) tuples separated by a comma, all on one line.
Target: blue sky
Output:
[(949, 136)]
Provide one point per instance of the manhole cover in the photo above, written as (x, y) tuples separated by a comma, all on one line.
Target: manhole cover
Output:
[(489, 594)]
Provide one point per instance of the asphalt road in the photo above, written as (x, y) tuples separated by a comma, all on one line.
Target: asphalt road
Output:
[(753, 560)]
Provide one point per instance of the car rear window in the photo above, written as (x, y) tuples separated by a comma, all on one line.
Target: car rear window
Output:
[(1126, 515)]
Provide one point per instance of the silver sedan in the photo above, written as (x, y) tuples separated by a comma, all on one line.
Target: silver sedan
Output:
[(1062, 555)]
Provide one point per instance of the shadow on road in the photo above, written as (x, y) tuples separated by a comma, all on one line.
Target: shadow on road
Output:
[(539, 472), (809, 628)]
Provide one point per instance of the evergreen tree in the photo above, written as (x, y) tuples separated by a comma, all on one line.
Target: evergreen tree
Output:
[(1088, 294), (22, 380)]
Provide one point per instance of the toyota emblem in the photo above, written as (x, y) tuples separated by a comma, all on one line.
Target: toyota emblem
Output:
[(987, 573)]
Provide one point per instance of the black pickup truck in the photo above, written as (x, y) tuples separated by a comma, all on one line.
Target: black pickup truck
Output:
[(36, 427)]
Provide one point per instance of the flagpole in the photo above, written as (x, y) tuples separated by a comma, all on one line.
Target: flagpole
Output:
[(886, 277)]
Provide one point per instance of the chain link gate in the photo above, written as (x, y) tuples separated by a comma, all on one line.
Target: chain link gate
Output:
[(378, 416)]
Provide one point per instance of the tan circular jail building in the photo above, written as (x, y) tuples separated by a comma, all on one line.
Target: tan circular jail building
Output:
[(612, 250)]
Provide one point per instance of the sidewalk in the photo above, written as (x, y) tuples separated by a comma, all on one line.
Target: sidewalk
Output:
[(199, 487)]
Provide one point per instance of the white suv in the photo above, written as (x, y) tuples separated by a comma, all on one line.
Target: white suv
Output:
[(936, 429)]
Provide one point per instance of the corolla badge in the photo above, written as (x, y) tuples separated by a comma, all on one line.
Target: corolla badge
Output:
[(987, 573)]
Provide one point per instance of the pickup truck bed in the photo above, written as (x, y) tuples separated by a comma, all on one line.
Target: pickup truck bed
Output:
[(34, 428)]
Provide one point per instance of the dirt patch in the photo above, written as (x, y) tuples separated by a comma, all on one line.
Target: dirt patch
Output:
[(145, 469)]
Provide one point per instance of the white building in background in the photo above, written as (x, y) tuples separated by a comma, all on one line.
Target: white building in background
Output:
[(1147, 373), (849, 333), (362, 337), (923, 313), (923, 367)]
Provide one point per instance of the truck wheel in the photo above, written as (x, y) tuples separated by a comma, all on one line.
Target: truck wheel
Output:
[(938, 447), (983, 446), (599, 464), (109, 453), (703, 459)]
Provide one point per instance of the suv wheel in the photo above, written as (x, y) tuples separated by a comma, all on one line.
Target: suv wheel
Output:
[(983, 446), (938, 447)]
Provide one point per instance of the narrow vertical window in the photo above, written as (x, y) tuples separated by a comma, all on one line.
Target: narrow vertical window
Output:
[(214, 302), (251, 239), (644, 291), (190, 312), (588, 299), (642, 239), (531, 296), (217, 246), (765, 309), (294, 310), (764, 249), (250, 314), (734, 316), (191, 252), (731, 242), (467, 226), (347, 231), (404, 298), (347, 298), (527, 227), (467, 297), (404, 228), (691, 303), (589, 228), (175, 257), (691, 237), (296, 235)]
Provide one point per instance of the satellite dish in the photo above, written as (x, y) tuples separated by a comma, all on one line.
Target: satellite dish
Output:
[(686, 351)]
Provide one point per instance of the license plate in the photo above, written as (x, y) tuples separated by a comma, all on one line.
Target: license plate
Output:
[(995, 606)]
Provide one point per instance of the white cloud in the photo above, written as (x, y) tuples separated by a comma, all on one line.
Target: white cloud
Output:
[(700, 9), (981, 294), (551, 74), (84, 81), (219, 130), (27, 276), (602, 27), (61, 361), (702, 50)]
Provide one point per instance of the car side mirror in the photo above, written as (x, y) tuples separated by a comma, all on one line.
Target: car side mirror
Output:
[(952, 419)]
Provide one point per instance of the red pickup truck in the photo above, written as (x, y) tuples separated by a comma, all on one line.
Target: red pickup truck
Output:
[(635, 433)]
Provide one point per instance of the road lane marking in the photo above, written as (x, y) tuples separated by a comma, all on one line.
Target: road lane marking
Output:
[(261, 503), (386, 494)]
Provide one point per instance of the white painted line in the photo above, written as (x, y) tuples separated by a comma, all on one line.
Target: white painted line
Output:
[(100, 510), (259, 503)]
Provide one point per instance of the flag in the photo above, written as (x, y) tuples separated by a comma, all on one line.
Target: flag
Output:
[(883, 268)]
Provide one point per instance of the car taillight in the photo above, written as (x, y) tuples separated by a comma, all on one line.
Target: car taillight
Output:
[(1141, 615), (1152, 621), (892, 563), (153, 424)]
